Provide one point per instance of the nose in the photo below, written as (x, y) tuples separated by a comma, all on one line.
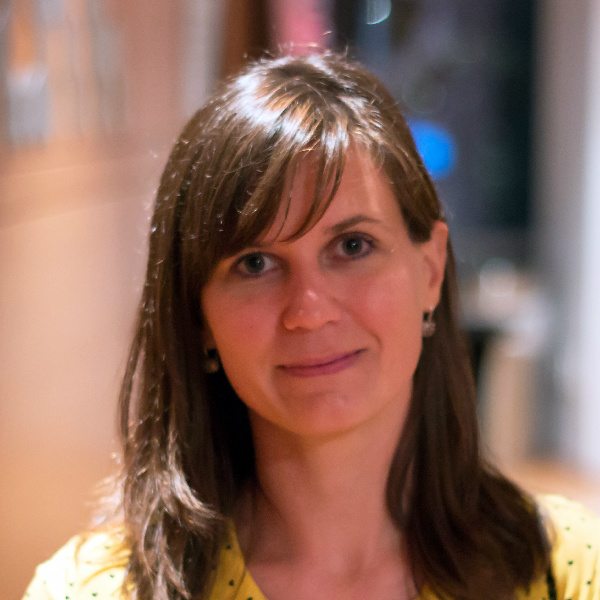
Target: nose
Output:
[(310, 302)]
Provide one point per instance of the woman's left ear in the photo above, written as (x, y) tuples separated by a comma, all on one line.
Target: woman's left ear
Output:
[(434, 253)]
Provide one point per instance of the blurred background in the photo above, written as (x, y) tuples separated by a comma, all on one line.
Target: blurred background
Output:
[(504, 101)]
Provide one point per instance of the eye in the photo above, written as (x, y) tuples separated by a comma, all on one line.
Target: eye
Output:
[(254, 264), (353, 246)]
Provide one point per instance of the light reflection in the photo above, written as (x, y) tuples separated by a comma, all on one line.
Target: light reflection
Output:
[(378, 11)]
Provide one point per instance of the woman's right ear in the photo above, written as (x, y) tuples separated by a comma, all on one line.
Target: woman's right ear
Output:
[(211, 356)]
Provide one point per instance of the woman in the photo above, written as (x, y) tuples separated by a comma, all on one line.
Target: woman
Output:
[(298, 412)]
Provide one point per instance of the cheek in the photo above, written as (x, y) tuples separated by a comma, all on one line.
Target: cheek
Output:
[(391, 310), (393, 301), (240, 329), (239, 333)]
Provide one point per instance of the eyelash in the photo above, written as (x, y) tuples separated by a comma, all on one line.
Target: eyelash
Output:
[(368, 241)]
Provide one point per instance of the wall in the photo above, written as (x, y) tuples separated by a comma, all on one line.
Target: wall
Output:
[(568, 217)]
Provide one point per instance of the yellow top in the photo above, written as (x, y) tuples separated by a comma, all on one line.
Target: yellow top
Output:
[(95, 571)]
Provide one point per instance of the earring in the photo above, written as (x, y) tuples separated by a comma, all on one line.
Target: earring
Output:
[(428, 325), (211, 360)]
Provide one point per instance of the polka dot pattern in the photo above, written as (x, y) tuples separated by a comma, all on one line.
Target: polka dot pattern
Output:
[(93, 568), (86, 568), (575, 537)]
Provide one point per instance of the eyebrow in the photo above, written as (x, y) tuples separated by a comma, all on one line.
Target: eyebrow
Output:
[(351, 222), (334, 229)]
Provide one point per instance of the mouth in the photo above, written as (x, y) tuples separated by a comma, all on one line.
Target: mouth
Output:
[(322, 366)]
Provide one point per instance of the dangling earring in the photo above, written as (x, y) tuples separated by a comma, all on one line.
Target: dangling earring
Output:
[(428, 325), (211, 360)]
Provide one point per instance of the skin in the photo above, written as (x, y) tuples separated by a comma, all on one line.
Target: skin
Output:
[(320, 337)]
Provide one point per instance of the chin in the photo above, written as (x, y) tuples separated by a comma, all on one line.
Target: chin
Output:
[(327, 415)]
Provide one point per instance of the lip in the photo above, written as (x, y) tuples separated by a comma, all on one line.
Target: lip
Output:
[(322, 366)]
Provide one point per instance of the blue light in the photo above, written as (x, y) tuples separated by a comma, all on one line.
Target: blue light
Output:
[(378, 11), (436, 146)]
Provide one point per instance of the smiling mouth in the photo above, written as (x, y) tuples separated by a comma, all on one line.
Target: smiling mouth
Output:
[(326, 366)]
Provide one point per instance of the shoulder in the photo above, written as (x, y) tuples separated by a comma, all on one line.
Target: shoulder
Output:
[(574, 533), (89, 566), (232, 579)]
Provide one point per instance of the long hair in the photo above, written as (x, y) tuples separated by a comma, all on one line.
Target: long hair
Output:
[(188, 447)]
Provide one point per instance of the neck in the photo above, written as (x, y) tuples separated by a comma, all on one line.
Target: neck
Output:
[(321, 499)]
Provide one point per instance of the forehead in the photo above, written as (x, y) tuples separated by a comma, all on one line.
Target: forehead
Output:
[(364, 188)]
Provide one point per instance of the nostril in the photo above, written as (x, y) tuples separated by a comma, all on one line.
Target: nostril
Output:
[(310, 310)]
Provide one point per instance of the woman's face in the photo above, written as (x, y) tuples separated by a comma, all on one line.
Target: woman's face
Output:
[(320, 334)]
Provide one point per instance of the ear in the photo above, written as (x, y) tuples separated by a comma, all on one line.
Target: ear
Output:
[(434, 256)]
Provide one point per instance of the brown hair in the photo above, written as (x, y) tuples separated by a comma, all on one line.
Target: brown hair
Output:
[(187, 443)]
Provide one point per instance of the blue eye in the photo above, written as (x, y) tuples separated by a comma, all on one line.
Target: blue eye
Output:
[(254, 264), (354, 246)]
